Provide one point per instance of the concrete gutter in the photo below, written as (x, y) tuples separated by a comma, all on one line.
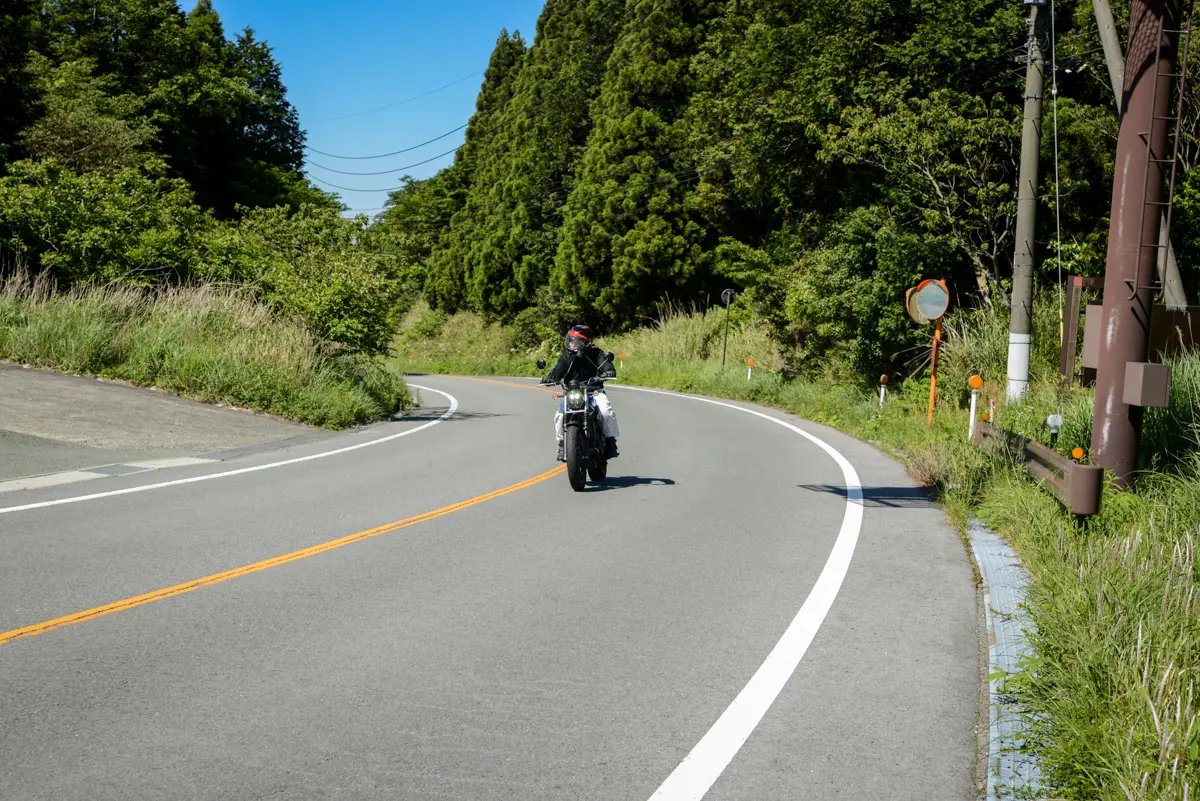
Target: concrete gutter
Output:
[(1011, 773)]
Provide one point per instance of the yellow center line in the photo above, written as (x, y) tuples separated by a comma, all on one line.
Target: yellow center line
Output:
[(216, 578), (502, 383)]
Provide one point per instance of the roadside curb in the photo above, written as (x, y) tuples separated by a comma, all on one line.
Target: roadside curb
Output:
[(1011, 773)]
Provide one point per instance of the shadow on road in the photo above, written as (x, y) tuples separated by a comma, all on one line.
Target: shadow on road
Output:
[(624, 482), (890, 497)]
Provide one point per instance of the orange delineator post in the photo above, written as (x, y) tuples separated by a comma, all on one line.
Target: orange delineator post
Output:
[(937, 341)]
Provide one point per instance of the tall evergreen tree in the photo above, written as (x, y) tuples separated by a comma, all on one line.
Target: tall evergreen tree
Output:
[(629, 237), (16, 86), (446, 285), (522, 179)]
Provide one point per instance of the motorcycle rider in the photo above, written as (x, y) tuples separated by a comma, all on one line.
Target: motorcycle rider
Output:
[(580, 361)]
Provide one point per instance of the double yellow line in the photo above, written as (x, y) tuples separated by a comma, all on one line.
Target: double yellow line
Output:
[(217, 578)]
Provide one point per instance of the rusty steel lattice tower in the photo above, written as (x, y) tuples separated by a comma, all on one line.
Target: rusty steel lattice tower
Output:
[(1143, 185)]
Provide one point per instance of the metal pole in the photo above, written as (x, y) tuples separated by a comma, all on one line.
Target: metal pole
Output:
[(1168, 268), (1020, 326), (725, 345), (1137, 195), (937, 341), (726, 296)]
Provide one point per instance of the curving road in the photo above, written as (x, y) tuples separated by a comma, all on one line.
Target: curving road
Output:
[(424, 609)]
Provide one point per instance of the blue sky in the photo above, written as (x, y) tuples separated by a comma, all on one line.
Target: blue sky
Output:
[(350, 57)]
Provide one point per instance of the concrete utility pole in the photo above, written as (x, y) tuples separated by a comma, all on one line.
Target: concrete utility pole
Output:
[(1020, 326), (1138, 188), (1168, 268)]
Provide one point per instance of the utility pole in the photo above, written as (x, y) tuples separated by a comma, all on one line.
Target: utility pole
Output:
[(1168, 267), (1020, 326), (1138, 189)]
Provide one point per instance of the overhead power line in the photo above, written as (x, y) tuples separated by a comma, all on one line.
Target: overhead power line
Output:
[(591, 39), (386, 172), (398, 102), (385, 155)]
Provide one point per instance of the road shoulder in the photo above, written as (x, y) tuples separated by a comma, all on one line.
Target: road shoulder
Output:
[(55, 424)]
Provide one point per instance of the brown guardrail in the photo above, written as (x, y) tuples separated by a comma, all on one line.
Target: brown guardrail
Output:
[(1077, 486)]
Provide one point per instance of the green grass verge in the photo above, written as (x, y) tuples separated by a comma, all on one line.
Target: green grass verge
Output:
[(1114, 598), (202, 343)]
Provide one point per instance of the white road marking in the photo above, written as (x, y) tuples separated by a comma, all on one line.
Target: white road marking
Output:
[(194, 479), (705, 763), (181, 461), (50, 480)]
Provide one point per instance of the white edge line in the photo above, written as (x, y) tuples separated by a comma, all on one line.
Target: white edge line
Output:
[(207, 477), (705, 763)]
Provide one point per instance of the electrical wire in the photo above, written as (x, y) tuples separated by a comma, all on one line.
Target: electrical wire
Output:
[(394, 152), (386, 172), (680, 177), (591, 40), (398, 102), (1057, 195)]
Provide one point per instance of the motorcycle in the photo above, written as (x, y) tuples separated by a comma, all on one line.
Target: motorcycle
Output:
[(583, 430)]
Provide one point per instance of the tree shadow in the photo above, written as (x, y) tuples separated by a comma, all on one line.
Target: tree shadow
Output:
[(625, 482), (887, 497)]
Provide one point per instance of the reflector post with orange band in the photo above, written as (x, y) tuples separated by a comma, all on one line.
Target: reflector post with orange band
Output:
[(926, 303)]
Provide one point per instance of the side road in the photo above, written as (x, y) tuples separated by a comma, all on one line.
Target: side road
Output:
[(51, 423)]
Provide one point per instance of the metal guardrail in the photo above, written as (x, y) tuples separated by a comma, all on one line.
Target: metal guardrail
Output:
[(1077, 486)]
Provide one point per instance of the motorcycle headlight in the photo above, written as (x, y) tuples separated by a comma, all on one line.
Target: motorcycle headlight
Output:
[(575, 399)]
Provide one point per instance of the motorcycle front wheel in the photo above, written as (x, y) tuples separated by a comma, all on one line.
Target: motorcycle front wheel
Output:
[(575, 459)]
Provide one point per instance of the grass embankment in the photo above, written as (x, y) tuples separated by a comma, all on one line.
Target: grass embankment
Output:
[(1115, 598), (204, 343)]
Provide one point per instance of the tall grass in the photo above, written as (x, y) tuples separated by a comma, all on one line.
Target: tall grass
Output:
[(206, 343)]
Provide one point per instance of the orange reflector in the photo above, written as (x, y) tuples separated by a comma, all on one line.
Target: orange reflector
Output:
[(1077, 454), (975, 382), (750, 362), (986, 417), (883, 379)]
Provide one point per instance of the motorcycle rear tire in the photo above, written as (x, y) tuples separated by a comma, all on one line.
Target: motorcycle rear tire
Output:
[(598, 470), (576, 467)]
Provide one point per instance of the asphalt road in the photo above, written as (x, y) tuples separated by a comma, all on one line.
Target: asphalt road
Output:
[(51, 422), (532, 644)]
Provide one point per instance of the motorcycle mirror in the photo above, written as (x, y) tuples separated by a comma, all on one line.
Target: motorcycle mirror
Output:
[(609, 356), (541, 363)]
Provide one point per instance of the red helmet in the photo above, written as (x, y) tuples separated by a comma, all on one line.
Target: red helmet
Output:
[(578, 338)]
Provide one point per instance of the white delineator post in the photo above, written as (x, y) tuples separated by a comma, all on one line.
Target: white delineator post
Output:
[(971, 426), (975, 384), (749, 369), (882, 389)]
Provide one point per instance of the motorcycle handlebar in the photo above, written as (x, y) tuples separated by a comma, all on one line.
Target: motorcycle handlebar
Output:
[(597, 381)]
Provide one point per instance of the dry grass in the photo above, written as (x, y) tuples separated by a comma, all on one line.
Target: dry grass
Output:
[(209, 343)]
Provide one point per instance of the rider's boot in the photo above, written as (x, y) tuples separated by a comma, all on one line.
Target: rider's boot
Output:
[(610, 448), (562, 456)]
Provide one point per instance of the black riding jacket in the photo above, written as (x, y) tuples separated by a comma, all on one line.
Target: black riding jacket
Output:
[(590, 362)]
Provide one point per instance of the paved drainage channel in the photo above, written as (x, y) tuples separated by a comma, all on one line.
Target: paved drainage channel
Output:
[(1011, 772)]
